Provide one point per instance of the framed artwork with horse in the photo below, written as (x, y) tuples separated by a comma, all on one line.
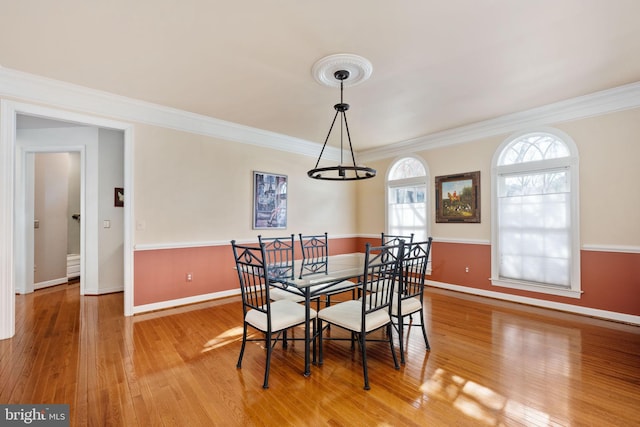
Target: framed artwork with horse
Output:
[(458, 197)]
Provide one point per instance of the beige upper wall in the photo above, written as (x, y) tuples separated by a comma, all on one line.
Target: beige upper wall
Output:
[(608, 147), (191, 188)]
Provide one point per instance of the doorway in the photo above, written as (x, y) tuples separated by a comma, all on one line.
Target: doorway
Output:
[(15, 224), (42, 147)]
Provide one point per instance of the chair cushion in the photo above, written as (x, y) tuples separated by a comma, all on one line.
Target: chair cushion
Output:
[(284, 314), (279, 294), (409, 305), (348, 315)]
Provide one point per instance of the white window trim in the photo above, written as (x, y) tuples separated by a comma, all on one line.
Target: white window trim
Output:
[(405, 182), (419, 180), (574, 291)]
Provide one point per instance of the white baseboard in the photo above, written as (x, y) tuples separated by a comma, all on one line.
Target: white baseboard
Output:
[(103, 291), (48, 283), (183, 301), (591, 312), (586, 311)]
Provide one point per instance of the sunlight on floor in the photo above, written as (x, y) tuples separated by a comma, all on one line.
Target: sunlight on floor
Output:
[(530, 354), (229, 336), (479, 402)]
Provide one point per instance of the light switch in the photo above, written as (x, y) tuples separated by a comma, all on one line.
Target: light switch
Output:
[(106, 223)]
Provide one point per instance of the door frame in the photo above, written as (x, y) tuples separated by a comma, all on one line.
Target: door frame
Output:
[(10, 259)]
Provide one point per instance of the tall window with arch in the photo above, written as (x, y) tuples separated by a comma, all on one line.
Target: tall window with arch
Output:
[(407, 198), (535, 229)]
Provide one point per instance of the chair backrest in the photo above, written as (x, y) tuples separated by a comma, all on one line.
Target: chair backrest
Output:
[(253, 276), (394, 239), (279, 255), (414, 268), (315, 253), (381, 271)]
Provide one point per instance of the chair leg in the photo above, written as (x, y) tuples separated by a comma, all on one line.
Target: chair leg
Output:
[(363, 350), (393, 351), (314, 360), (320, 354), (401, 337), (268, 364), (327, 303), (244, 341), (424, 330)]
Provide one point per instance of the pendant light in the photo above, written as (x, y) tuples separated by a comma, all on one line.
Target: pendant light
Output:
[(341, 172)]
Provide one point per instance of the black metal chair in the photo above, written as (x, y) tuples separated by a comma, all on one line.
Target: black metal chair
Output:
[(280, 255), (315, 254), (409, 295), (394, 239), (373, 310), (272, 318)]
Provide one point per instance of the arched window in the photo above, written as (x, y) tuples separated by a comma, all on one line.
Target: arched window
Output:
[(535, 233), (407, 198)]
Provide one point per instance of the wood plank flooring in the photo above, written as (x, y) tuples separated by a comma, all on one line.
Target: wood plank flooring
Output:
[(491, 363)]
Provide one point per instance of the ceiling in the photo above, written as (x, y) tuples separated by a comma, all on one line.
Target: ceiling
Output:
[(437, 64)]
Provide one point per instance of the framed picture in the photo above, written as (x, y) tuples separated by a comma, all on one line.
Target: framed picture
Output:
[(118, 197), (269, 200), (458, 197)]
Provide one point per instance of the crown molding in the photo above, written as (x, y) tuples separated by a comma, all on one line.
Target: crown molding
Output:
[(595, 104), (29, 87), (25, 86)]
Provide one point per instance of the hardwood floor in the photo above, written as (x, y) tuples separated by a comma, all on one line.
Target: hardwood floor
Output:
[(491, 363)]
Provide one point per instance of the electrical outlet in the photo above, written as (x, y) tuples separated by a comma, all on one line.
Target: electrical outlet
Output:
[(466, 269), (189, 277)]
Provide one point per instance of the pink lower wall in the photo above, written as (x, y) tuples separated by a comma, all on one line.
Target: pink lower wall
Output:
[(608, 279), (608, 282), (161, 275)]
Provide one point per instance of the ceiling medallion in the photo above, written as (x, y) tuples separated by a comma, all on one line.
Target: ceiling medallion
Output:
[(359, 69)]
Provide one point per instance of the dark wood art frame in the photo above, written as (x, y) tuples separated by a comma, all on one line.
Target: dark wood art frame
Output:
[(458, 198), (118, 197)]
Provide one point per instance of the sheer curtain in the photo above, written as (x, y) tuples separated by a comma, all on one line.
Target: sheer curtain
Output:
[(407, 199), (535, 227)]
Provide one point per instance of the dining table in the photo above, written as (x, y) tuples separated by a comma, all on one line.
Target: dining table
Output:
[(314, 278)]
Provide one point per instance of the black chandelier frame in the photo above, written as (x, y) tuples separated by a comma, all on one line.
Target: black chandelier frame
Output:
[(341, 172)]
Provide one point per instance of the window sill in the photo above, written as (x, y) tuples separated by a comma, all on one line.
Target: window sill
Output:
[(531, 287)]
